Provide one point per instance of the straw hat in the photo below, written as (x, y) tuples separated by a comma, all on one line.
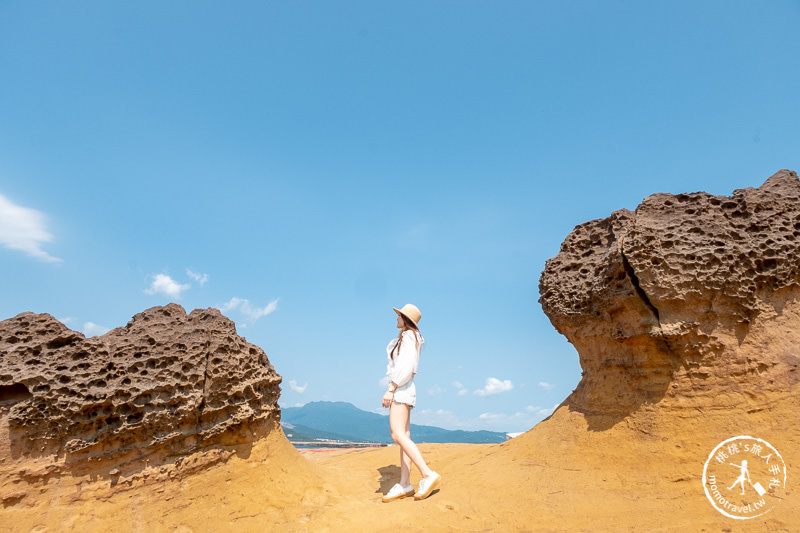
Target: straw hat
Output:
[(409, 311)]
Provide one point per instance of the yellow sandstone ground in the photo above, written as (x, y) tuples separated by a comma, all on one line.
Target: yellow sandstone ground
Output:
[(686, 317), (561, 476)]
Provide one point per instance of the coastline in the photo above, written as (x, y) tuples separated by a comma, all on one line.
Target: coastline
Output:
[(336, 444)]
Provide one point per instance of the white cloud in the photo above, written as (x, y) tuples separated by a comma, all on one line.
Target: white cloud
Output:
[(244, 307), (515, 422), (384, 382), (495, 386), (547, 412), (435, 390), (67, 320), (24, 229), (540, 411), (90, 329), (163, 284), (518, 421), (546, 386), (300, 389), (199, 278), (462, 391), (441, 418)]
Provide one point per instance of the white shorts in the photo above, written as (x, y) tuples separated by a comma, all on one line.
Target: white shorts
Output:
[(406, 394)]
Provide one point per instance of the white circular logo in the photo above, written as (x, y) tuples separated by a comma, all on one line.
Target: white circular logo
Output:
[(744, 477)]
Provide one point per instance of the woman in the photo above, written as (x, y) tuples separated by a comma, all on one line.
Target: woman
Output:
[(403, 354)]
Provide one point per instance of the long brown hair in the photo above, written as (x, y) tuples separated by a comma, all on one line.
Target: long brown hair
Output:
[(407, 325)]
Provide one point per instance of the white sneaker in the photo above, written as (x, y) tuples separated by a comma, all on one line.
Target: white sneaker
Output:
[(397, 492), (426, 486)]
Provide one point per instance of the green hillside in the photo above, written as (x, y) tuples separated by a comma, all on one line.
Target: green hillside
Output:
[(344, 421)]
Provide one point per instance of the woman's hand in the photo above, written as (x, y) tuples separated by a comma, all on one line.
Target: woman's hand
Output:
[(387, 398)]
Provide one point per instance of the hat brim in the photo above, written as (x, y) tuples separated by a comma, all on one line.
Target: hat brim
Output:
[(399, 312)]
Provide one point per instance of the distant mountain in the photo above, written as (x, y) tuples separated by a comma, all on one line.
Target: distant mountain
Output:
[(344, 421)]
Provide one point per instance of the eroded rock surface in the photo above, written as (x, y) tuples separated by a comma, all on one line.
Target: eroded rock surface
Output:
[(691, 300), (167, 383)]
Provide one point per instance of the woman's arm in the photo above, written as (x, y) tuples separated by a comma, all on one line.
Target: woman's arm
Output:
[(404, 362), (388, 396)]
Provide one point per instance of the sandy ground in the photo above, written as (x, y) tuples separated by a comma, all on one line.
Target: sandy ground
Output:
[(558, 477)]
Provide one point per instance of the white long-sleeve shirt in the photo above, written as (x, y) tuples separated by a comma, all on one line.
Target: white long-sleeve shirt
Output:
[(403, 367)]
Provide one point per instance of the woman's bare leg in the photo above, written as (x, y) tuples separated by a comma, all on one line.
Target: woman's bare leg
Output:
[(400, 424), (405, 460)]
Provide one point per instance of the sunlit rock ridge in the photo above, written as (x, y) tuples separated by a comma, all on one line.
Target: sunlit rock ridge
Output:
[(690, 302)]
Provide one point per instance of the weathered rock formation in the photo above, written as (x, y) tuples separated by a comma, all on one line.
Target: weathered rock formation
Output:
[(686, 317), (692, 301), (165, 385)]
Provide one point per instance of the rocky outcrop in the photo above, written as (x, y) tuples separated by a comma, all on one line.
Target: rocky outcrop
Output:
[(166, 384), (690, 301), (682, 347)]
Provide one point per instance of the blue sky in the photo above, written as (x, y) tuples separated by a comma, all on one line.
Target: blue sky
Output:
[(306, 166)]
